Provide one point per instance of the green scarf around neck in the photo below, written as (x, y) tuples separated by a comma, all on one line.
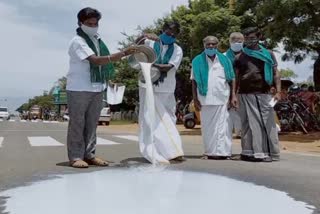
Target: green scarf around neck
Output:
[(230, 54), (264, 55), (200, 69), (162, 60), (98, 74)]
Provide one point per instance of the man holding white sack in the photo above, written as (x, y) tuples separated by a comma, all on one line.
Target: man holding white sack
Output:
[(211, 72), (167, 145), (90, 67)]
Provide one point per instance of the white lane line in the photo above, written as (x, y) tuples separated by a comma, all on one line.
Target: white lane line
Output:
[(12, 121), (23, 121), (1, 140), (1, 120), (101, 141), (43, 141), (128, 137)]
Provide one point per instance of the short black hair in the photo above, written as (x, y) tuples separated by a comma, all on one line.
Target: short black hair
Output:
[(171, 25), (88, 13), (250, 30), (311, 88)]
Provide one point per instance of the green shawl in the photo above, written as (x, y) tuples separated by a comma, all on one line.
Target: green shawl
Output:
[(98, 73), (201, 70)]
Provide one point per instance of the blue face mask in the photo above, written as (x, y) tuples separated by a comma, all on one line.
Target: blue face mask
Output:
[(237, 46), (210, 51), (166, 39)]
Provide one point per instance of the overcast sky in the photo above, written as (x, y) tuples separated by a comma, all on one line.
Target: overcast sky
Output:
[(35, 36)]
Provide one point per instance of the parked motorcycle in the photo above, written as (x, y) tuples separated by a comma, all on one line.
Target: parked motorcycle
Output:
[(289, 118)]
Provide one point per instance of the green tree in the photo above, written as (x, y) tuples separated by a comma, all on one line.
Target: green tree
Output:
[(129, 77), (198, 20), (294, 23), (62, 83), (44, 101), (288, 73)]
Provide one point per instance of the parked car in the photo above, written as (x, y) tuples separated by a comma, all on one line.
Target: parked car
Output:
[(105, 116), (4, 113)]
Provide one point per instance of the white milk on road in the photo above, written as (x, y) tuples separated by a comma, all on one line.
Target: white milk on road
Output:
[(149, 103), (134, 190)]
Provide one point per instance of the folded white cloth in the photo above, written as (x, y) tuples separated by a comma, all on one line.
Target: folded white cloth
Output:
[(115, 94)]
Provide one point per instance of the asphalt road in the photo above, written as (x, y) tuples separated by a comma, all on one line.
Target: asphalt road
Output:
[(35, 151)]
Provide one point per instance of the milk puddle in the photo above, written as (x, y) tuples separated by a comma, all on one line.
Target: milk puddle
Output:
[(143, 191)]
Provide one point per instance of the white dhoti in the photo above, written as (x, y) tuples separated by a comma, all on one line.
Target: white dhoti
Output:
[(166, 139), (216, 131)]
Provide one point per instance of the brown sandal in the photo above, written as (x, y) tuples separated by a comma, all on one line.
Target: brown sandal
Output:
[(79, 164), (97, 162)]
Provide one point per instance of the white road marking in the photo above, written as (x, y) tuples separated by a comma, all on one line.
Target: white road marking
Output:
[(101, 141), (12, 120), (128, 137), (1, 140), (43, 141)]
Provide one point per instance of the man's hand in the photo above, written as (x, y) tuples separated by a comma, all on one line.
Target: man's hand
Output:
[(277, 96), (163, 67), (130, 50), (197, 104), (151, 36), (111, 84), (234, 102)]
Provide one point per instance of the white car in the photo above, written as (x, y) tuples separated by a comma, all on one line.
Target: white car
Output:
[(4, 113), (105, 116)]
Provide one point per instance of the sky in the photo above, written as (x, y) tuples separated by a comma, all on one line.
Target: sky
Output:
[(35, 36)]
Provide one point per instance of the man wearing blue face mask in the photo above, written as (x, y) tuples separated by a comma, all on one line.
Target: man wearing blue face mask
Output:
[(90, 67), (169, 56), (211, 72), (236, 44)]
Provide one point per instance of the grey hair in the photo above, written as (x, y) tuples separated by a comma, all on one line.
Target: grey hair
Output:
[(235, 35), (210, 38)]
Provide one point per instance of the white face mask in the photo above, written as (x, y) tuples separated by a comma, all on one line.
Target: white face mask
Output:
[(237, 46), (90, 31)]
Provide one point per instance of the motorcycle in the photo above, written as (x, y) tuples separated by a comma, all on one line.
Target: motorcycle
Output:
[(289, 118)]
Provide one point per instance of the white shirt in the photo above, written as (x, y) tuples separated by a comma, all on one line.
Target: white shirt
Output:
[(218, 88), (78, 77), (169, 83)]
